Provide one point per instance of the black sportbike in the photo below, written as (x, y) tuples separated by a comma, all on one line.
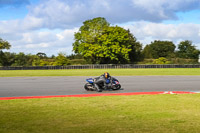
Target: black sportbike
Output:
[(111, 85)]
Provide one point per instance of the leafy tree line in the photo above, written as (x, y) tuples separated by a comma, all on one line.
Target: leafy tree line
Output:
[(21, 59), (163, 51), (167, 49), (40, 59), (97, 42)]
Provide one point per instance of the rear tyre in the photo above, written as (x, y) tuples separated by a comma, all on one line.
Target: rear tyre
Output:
[(86, 87)]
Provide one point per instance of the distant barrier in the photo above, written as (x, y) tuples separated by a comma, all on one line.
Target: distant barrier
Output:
[(101, 66)]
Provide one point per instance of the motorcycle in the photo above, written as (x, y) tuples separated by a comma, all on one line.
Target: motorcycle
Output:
[(111, 85)]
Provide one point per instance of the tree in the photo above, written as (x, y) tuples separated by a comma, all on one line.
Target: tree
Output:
[(161, 60), (41, 55), (187, 50), (35, 60), (88, 33), (100, 43), (61, 60), (113, 46), (160, 49), (147, 52), (3, 45), (8, 58), (21, 59), (75, 56)]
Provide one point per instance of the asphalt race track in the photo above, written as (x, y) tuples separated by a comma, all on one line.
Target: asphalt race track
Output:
[(46, 86)]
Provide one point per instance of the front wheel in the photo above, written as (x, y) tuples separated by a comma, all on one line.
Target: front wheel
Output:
[(116, 87)]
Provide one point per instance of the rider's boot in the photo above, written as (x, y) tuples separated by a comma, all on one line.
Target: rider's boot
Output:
[(97, 88)]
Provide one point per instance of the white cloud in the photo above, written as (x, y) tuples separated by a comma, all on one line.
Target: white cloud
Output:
[(47, 41), (68, 34), (147, 32), (40, 45), (38, 37), (31, 22), (69, 14)]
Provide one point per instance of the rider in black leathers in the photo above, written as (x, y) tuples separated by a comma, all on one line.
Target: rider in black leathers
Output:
[(102, 79)]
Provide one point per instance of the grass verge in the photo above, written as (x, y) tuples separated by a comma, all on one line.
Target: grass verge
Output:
[(113, 114), (97, 72)]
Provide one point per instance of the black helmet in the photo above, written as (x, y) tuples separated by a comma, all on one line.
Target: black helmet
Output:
[(106, 75)]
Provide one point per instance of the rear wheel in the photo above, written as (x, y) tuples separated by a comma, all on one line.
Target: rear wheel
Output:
[(86, 86)]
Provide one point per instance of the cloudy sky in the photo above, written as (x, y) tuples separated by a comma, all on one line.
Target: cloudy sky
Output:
[(48, 26)]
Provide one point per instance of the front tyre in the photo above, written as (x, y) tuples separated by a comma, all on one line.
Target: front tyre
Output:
[(116, 87)]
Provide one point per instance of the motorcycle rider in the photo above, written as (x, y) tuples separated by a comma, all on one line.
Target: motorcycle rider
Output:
[(106, 79)]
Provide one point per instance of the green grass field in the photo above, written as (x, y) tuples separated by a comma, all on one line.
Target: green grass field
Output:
[(97, 72), (111, 114)]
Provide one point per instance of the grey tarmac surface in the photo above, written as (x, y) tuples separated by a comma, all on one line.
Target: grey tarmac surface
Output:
[(45, 86)]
